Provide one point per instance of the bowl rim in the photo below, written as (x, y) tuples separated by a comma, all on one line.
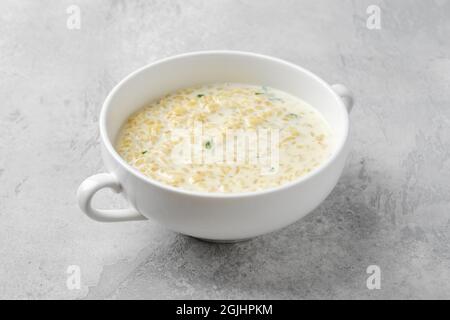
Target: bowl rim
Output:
[(310, 175)]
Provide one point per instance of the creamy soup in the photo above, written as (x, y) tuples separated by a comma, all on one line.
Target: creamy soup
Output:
[(225, 138)]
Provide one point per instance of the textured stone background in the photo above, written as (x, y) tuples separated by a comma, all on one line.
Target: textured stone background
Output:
[(391, 207)]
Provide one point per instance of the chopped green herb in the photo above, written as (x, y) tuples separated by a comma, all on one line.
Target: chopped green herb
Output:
[(258, 93), (208, 145), (144, 152), (200, 95), (292, 116), (272, 98)]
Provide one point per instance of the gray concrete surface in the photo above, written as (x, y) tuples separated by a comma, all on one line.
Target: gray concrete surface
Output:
[(391, 208)]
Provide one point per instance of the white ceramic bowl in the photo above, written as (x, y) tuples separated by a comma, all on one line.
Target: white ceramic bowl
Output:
[(219, 217)]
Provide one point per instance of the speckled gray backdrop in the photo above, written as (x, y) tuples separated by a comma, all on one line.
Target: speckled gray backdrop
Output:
[(390, 208)]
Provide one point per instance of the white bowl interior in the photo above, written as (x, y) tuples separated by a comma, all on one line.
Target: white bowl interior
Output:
[(166, 76)]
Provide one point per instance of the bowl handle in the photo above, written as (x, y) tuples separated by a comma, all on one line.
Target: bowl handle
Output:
[(87, 190), (345, 94)]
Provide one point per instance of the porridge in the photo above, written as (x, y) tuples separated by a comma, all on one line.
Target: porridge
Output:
[(225, 138)]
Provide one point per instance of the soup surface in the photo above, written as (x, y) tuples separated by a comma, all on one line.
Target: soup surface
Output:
[(225, 138)]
